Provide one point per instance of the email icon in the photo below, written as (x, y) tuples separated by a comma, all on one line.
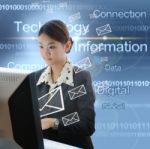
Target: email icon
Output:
[(51, 102), (75, 17), (82, 65), (70, 119), (103, 30), (77, 92)]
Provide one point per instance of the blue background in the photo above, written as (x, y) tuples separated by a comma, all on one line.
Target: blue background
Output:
[(120, 119)]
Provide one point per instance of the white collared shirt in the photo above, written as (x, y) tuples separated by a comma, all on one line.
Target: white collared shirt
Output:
[(66, 76)]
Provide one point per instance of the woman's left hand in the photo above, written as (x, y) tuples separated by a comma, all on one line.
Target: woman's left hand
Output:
[(47, 123)]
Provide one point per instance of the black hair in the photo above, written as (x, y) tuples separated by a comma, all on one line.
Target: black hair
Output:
[(56, 30)]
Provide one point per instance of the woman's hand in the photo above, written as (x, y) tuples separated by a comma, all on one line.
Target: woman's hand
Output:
[(47, 123)]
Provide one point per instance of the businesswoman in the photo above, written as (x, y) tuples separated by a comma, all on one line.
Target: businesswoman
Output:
[(65, 95)]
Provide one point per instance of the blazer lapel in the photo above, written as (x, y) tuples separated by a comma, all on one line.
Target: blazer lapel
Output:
[(65, 88)]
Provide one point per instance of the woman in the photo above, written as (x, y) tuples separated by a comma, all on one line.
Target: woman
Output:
[(72, 122)]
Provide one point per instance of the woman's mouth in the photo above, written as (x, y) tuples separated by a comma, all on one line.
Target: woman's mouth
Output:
[(49, 59)]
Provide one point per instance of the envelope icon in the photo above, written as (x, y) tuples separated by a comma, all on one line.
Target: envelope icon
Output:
[(51, 102), (82, 65), (77, 92), (102, 30), (75, 17), (70, 119)]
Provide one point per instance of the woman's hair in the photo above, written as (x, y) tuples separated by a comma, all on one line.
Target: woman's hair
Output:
[(56, 30)]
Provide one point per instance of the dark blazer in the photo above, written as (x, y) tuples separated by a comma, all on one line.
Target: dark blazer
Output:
[(77, 134)]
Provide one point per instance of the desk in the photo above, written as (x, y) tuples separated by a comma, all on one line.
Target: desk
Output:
[(48, 144)]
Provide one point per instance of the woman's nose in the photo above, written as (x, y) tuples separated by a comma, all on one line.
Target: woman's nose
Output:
[(46, 51)]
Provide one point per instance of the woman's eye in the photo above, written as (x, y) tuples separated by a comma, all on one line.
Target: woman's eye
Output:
[(51, 47), (41, 47)]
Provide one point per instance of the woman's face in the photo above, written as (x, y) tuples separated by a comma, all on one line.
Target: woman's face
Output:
[(52, 51)]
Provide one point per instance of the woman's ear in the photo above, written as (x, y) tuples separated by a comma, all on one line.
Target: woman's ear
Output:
[(68, 46)]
